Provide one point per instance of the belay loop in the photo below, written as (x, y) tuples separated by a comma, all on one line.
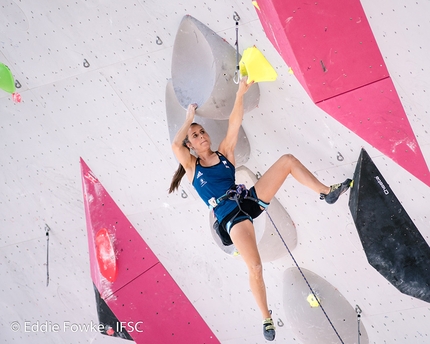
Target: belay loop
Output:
[(237, 193), (241, 192)]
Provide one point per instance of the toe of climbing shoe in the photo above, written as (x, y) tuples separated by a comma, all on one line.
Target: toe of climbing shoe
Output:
[(336, 190), (268, 329)]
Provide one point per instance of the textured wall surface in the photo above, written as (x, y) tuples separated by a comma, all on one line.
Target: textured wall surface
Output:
[(93, 78)]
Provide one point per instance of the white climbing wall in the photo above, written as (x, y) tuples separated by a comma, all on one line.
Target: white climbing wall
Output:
[(93, 76)]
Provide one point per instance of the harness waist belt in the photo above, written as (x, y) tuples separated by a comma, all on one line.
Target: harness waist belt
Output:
[(230, 194)]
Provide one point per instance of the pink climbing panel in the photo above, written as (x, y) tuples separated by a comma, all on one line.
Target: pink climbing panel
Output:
[(144, 292), (331, 48), (375, 113), (102, 212), (332, 51), (165, 313)]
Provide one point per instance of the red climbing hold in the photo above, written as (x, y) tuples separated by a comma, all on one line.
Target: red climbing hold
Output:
[(106, 255)]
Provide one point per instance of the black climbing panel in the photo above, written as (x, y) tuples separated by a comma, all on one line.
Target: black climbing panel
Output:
[(112, 326), (392, 242)]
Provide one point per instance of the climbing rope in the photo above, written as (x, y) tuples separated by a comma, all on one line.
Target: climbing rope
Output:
[(304, 277), (240, 192)]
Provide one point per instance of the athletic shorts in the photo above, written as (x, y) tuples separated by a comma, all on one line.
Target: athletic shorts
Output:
[(250, 210)]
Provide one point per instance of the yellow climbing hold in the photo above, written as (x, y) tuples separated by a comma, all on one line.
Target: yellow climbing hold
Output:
[(290, 70), (256, 67), (256, 5), (312, 301)]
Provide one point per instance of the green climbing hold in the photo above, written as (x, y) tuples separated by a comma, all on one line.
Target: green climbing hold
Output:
[(7, 81)]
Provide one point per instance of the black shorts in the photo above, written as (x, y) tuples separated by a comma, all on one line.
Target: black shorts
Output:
[(249, 210)]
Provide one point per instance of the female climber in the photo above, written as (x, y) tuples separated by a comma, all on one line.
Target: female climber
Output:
[(212, 173)]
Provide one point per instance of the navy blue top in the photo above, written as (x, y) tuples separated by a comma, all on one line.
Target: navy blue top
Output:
[(215, 181)]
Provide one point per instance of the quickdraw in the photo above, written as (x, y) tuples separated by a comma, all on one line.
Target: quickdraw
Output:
[(236, 77)]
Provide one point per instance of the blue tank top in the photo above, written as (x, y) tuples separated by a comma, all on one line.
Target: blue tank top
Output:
[(214, 181)]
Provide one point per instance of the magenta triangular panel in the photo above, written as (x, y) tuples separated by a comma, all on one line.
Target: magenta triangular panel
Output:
[(328, 44), (374, 112), (332, 51), (165, 314), (102, 212), (144, 296)]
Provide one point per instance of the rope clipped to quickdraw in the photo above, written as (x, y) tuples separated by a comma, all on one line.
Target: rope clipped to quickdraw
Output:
[(236, 77), (304, 277)]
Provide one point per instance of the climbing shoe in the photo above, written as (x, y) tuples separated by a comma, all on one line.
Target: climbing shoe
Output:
[(268, 329), (335, 191)]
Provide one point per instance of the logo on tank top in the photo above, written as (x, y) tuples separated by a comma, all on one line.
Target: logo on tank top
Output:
[(202, 181), (225, 164)]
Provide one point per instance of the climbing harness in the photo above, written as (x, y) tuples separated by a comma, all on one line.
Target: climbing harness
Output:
[(236, 77), (304, 277), (238, 194)]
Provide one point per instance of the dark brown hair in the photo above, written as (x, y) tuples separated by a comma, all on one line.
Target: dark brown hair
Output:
[(180, 172)]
